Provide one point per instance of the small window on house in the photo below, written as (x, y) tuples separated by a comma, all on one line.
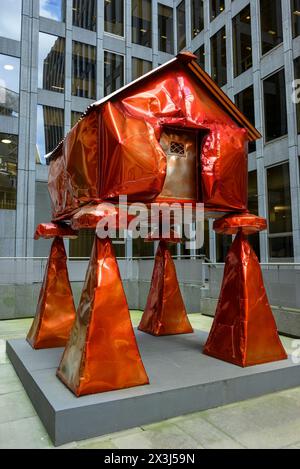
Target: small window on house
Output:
[(177, 149)]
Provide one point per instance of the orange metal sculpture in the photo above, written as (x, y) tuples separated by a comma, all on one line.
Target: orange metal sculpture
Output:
[(102, 353), (55, 312), (244, 331), (165, 313), (172, 135)]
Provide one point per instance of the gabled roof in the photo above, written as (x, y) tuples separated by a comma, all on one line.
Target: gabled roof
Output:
[(189, 60)]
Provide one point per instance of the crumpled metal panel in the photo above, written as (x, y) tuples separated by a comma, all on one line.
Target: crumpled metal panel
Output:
[(115, 148), (165, 313), (102, 353), (245, 222), (244, 331), (55, 312), (51, 230)]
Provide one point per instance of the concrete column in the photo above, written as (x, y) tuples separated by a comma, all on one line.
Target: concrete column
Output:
[(292, 126), (259, 122)]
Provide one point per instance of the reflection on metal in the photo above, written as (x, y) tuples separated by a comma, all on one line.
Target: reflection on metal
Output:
[(102, 353), (165, 313), (244, 331)]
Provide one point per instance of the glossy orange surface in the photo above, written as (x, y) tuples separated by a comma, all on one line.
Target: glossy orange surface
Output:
[(102, 353), (51, 230), (244, 331), (247, 223), (55, 312), (115, 149), (90, 215), (165, 313)]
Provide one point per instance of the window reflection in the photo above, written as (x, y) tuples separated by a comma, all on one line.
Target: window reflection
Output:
[(165, 29), (142, 22), (50, 130), (53, 9), (181, 26), (275, 106), (253, 208), (218, 57), (85, 14), (9, 85), (280, 212), (10, 22), (197, 17), (297, 77), (8, 171), (295, 6), (216, 7), (140, 67), (113, 72), (84, 70), (114, 17), (200, 53), (224, 243), (271, 24), (75, 116), (51, 63), (242, 45), (245, 102)]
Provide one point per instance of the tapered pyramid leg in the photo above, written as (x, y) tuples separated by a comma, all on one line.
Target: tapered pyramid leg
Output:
[(165, 313), (244, 331), (55, 312), (102, 353)]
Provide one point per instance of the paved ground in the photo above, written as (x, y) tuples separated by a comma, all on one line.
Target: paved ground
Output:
[(271, 421)]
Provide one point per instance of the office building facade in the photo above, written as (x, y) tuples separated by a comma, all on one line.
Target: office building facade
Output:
[(58, 56)]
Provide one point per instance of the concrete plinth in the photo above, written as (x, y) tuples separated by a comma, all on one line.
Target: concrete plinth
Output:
[(183, 380)]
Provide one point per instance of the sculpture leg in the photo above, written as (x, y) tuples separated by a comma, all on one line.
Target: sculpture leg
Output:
[(244, 331), (102, 353), (55, 310), (165, 313)]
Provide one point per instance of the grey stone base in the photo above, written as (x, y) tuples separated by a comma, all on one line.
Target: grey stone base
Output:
[(183, 380)]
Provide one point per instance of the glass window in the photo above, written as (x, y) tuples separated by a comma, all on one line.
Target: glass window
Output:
[(51, 63), (140, 248), (50, 130), (53, 9), (165, 29), (10, 22), (114, 17), (140, 67), (142, 22), (242, 45), (8, 171), (297, 77), (216, 7), (197, 17), (84, 70), (253, 208), (181, 26), (280, 213), (218, 57), (271, 24), (224, 243), (295, 4), (245, 102), (75, 116), (113, 72), (85, 14), (200, 53), (9, 85), (275, 106), (82, 246)]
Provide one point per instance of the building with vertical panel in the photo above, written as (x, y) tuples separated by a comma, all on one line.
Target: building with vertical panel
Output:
[(58, 56)]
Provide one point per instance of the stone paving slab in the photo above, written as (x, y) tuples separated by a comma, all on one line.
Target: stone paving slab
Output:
[(183, 380)]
